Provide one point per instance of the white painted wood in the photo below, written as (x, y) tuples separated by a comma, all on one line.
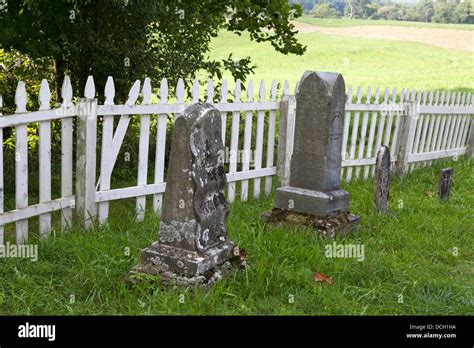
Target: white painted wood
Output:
[(21, 164), (66, 153), (418, 127), (89, 90), (436, 127), (432, 119), (355, 130), (443, 123), (397, 114), (143, 146), (41, 209), (391, 109), (436, 155), (259, 141), (286, 138), (271, 139), (119, 134), (195, 92), (448, 123), (86, 207), (457, 123), (210, 91), (345, 131), (373, 123), (254, 173), (224, 91), (462, 123), (106, 149), (467, 124), (365, 119), (234, 143), (44, 135), (286, 88), (426, 120), (129, 192), (2, 229), (180, 94), (381, 124), (247, 144), (160, 147)]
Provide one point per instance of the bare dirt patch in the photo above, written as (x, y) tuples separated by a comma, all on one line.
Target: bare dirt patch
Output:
[(445, 38)]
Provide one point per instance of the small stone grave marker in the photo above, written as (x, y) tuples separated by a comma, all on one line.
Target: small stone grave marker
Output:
[(382, 180), (444, 183)]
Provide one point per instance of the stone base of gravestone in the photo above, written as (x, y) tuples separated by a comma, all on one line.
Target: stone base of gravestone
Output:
[(339, 224), (173, 267)]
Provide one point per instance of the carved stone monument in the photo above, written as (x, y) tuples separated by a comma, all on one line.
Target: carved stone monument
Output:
[(382, 180), (192, 246), (315, 169), (444, 183)]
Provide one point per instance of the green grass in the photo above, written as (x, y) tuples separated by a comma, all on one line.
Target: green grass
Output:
[(341, 22), (366, 62), (408, 253)]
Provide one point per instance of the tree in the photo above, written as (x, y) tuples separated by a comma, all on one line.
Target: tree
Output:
[(356, 9), (130, 39), (443, 12), (463, 13), (324, 11)]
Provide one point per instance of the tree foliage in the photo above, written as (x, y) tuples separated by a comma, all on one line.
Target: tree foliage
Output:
[(130, 39)]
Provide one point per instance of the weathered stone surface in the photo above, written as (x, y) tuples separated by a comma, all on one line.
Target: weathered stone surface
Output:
[(444, 183), (316, 160), (382, 180), (312, 202), (193, 238)]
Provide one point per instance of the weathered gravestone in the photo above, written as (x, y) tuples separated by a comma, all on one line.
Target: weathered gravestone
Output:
[(382, 180), (444, 183), (192, 246), (315, 169)]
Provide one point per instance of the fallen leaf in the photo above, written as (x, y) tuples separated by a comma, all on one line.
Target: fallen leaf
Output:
[(321, 277), (430, 194)]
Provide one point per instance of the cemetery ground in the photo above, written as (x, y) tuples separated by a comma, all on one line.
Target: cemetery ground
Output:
[(417, 261)]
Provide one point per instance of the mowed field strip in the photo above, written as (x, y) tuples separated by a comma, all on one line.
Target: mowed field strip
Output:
[(445, 38)]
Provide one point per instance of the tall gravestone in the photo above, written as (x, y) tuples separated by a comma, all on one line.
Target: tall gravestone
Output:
[(315, 169), (192, 244), (382, 180)]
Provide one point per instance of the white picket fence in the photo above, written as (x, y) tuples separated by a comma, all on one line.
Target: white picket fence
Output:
[(436, 125)]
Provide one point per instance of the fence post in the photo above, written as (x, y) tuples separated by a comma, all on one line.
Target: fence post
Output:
[(405, 137), (86, 208), (470, 144), (285, 139)]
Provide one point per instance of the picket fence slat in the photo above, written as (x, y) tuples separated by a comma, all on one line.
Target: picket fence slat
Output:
[(259, 141), (234, 143), (271, 138), (355, 132), (365, 119), (44, 134), (160, 147), (345, 131), (107, 136), (144, 143), (247, 143)]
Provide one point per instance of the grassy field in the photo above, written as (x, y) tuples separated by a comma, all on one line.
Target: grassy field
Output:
[(341, 22), (365, 62), (410, 253)]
